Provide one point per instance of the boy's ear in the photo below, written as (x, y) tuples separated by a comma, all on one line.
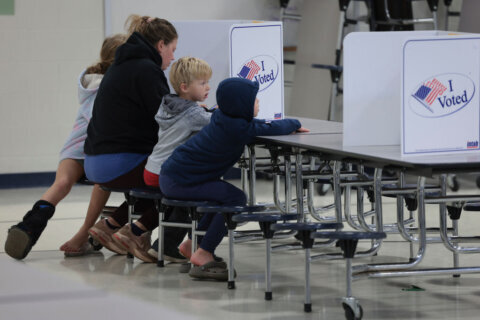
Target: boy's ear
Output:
[(183, 87)]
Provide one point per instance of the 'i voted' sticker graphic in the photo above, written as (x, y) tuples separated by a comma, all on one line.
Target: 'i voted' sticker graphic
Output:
[(262, 69), (442, 95)]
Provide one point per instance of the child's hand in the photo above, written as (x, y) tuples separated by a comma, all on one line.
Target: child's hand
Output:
[(207, 108), (301, 130)]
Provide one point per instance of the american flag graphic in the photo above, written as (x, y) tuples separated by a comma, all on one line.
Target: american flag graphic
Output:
[(429, 91), (472, 145), (249, 70)]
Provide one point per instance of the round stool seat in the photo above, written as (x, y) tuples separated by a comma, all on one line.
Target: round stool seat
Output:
[(230, 209), (147, 193), (306, 226), (85, 181), (123, 190), (264, 217), (185, 203), (348, 235), (472, 206)]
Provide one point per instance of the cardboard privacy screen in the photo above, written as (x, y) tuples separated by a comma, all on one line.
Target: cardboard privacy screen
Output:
[(256, 53), (440, 105), (415, 89), (236, 48)]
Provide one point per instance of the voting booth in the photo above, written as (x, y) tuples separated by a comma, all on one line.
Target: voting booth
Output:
[(235, 48), (414, 89), (440, 105)]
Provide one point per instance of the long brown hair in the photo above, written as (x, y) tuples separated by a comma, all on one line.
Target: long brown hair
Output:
[(107, 53), (153, 29)]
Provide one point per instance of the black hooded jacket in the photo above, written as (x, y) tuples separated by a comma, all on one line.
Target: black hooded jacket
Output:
[(217, 147), (123, 118)]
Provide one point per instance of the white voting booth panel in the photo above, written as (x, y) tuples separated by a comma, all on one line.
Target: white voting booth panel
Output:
[(207, 40), (440, 105), (257, 54), (372, 87), (234, 48)]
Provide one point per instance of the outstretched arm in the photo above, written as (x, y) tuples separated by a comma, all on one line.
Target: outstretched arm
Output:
[(302, 130), (277, 127)]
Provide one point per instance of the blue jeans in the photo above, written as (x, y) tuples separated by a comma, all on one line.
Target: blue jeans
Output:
[(216, 191)]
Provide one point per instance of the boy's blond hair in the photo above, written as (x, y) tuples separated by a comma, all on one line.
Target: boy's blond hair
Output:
[(187, 69)]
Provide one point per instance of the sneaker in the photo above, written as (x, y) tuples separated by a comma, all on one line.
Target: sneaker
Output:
[(102, 234), (136, 245), (169, 253)]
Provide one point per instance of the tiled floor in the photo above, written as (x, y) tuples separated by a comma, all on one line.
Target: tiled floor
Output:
[(102, 286)]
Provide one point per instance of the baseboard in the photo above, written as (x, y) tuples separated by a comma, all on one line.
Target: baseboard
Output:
[(26, 180)]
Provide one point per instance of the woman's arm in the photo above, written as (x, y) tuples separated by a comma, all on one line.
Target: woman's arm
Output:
[(152, 86)]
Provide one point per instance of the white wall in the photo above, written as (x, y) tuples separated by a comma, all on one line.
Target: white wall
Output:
[(469, 16), (44, 46), (47, 43), (194, 10), (316, 44)]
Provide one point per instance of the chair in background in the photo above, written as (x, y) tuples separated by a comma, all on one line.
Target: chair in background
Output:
[(336, 69), (449, 13), (397, 15)]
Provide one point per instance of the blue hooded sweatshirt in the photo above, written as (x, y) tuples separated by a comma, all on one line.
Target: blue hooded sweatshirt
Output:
[(217, 147)]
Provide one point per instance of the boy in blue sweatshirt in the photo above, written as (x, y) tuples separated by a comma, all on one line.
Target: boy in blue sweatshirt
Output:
[(194, 170)]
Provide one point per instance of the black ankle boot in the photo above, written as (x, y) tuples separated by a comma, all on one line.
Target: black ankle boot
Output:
[(23, 236)]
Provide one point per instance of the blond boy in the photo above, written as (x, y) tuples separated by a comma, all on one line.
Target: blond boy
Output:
[(179, 115)]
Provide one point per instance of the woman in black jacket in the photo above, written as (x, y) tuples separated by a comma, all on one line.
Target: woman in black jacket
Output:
[(123, 130)]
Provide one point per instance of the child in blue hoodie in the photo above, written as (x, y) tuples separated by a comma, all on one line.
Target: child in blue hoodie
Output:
[(194, 170)]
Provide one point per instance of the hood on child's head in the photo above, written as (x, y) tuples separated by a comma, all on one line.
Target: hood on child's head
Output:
[(236, 97)]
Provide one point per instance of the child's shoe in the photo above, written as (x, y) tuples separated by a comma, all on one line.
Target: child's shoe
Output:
[(136, 245), (23, 236), (102, 234), (169, 253)]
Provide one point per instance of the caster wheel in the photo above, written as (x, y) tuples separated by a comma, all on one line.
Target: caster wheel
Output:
[(96, 246), (323, 188), (350, 314), (452, 183)]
